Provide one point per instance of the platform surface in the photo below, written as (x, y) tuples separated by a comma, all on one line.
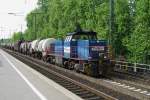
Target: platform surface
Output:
[(20, 82)]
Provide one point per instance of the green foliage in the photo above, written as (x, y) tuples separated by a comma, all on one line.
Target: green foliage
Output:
[(17, 36), (123, 26), (139, 41), (61, 16), (55, 18)]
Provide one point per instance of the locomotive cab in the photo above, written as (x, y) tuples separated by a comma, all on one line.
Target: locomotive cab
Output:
[(73, 40)]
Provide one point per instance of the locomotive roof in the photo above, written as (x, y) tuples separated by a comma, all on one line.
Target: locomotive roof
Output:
[(81, 32)]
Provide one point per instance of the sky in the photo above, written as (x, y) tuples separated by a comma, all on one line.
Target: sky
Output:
[(10, 23)]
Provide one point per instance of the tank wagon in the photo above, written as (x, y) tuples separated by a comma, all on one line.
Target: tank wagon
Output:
[(40, 48), (34, 48), (44, 48), (28, 48), (17, 45), (24, 47)]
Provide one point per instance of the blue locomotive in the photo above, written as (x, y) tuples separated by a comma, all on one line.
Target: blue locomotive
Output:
[(81, 51)]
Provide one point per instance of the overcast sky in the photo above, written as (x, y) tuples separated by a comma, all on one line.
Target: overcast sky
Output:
[(10, 23)]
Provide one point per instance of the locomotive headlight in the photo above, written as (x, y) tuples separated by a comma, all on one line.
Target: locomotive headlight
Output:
[(105, 57)]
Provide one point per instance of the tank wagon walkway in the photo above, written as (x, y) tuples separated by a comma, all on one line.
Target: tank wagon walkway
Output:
[(19, 82)]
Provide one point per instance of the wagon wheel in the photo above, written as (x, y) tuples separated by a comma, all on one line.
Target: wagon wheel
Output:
[(66, 63)]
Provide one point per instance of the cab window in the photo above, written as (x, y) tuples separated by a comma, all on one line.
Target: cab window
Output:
[(85, 37)]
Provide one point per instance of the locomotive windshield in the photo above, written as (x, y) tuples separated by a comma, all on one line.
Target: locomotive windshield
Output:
[(85, 37)]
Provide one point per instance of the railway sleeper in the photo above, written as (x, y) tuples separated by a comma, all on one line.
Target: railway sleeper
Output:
[(84, 93), (74, 88), (90, 96), (95, 98), (69, 86), (77, 90), (65, 82)]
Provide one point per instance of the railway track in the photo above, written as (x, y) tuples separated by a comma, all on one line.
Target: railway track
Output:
[(82, 88)]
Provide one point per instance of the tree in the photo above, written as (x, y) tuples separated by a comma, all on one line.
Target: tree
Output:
[(139, 44), (17, 36), (131, 24), (123, 26)]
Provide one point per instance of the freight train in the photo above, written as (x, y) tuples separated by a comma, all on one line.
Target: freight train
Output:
[(80, 51)]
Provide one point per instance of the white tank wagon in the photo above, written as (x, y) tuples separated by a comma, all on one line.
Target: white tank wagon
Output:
[(22, 47), (40, 45), (25, 48), (29, 50), (17, 45), (34, 47), (46, 45), (12, 46), (39, 49)]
